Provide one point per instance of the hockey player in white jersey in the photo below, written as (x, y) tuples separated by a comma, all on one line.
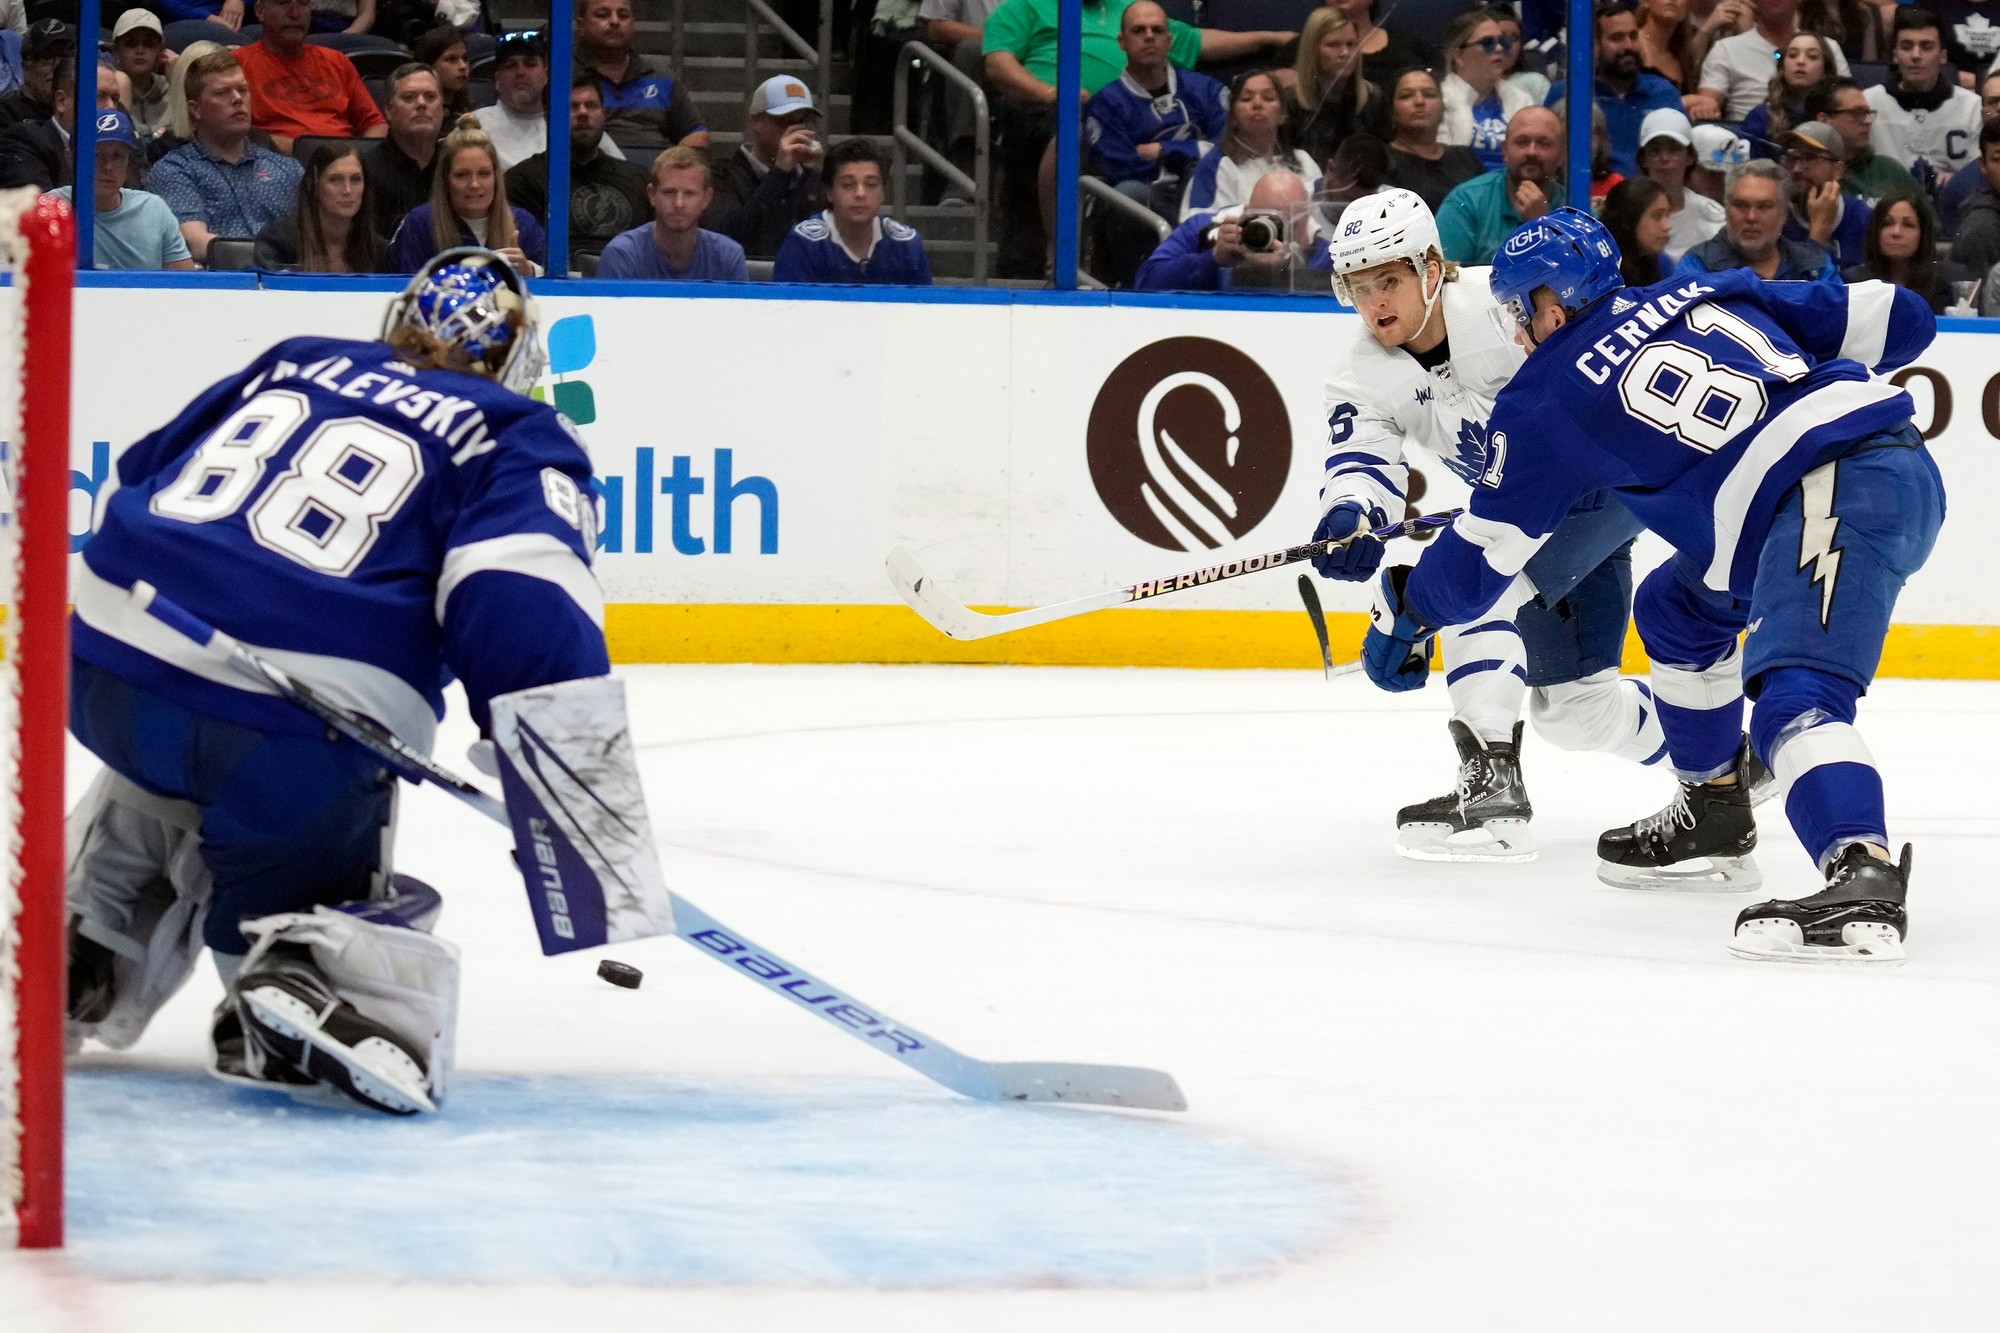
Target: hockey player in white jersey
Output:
[(1426, 373)]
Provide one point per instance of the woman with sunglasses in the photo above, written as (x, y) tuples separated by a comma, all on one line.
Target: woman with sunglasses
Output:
[(1478, 102), (1531, 82)]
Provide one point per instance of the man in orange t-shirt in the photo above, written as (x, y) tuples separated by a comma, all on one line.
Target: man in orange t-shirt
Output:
[(296, 89)]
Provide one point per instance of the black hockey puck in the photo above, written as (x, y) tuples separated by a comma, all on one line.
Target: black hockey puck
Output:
[(620, 974)]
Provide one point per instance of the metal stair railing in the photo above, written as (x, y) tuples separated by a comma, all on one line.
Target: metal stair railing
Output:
[(907, 141), (821, 55)]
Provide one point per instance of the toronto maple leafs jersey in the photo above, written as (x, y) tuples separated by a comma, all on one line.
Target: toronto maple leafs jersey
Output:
[(1700, 400), (812, 252), (1933, 136), (1381, 399), (372, 528), (1185, 121)]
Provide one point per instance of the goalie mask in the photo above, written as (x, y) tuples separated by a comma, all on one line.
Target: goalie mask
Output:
[(468, 310)]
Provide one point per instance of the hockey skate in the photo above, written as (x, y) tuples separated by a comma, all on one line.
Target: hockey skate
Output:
[(1484, 819), (1857, 919), (1701, 843), (290, 1010), (1759, 781)]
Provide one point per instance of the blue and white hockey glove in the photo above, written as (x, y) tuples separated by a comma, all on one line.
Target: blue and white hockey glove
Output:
[(1360, 558), (1396, 653)]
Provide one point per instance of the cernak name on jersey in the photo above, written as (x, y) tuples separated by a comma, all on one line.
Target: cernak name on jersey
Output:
[(1605, 355), (457, 421)]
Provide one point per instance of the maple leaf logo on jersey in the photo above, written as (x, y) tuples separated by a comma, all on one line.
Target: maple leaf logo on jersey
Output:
[(1978, 35), (1469, 462)]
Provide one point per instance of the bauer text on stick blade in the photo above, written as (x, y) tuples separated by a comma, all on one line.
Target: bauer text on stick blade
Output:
[(1085, 1084), (959, 621)]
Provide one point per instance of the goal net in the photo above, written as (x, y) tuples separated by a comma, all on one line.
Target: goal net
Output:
[(36, 244)]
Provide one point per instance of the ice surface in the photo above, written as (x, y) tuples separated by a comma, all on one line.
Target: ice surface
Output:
[(1422, 1096)]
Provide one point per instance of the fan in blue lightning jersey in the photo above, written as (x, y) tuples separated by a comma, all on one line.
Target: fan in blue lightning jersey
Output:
[(1742, 421), (375, 517)]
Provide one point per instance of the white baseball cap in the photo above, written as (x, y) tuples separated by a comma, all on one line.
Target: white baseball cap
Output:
[(133, 19), (1666, 123), (781, 95)]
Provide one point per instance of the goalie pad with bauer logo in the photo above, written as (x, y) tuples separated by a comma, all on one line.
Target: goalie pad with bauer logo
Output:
[(581, 835)]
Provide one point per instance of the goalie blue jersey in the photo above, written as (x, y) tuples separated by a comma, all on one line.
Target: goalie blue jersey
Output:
[(1700, 400), (373, 528)]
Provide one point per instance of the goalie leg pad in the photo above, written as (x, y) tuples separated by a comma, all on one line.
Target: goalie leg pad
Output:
[(581, 834), (367, 1008), (138, 893)]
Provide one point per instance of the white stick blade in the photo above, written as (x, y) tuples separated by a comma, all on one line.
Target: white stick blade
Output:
[(915, 587), (1093, 1085)]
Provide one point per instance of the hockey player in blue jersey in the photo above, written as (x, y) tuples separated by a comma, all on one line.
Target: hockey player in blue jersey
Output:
[(1742, 421), (376, 518)]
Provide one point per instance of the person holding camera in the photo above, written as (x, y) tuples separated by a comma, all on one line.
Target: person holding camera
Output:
[(1269, 242)]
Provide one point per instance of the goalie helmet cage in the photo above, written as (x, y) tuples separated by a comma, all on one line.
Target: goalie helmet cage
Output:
[(38, 239)]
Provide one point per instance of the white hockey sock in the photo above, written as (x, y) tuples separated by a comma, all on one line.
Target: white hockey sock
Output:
[(1600, 712), (1486, 669)]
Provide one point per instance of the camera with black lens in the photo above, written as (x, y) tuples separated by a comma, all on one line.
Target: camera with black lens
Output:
[(1263, 230)]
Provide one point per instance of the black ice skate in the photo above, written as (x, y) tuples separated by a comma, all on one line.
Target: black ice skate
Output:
[(1759, 781), (291, 1011), (1857, 918), (1701, 843), (1484, 819)]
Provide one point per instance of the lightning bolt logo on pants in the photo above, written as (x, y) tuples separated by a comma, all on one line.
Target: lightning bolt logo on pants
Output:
[(1816, 533)]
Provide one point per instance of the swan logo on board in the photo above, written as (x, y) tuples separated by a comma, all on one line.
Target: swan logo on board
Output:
[(1189, 444)]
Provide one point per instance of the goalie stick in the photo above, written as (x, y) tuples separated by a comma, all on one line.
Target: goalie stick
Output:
[(958, 621), (982, 1080)]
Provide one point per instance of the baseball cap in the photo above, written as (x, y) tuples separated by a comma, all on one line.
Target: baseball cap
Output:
[(114, 126), (50, 37), (529, 43), (133, 19), (1718, 148), (1666, 123), (1815, 138), (780, 95)]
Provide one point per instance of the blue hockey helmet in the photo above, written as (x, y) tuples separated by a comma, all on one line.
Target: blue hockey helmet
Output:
[(1568, 251), (467, 309)]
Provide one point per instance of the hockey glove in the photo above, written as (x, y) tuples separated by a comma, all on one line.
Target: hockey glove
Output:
[(1396, 653), (1360, 557)]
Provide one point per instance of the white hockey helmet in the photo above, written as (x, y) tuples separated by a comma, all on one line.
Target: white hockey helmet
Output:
[(1380, 228)]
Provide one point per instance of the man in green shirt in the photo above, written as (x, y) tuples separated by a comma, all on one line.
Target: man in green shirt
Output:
[(1020, 45), (1477, 216), (1871, 176)]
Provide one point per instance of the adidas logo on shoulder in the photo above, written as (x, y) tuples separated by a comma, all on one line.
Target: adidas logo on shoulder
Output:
[(1620, 304)]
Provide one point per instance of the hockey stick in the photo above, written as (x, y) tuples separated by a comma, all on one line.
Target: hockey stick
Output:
[(1310, 596), (962, 622), (982, 1080)]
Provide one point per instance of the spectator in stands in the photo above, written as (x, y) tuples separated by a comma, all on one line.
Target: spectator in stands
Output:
[(37, 152), (1966, 181), (1385, 51), (1252, 145), (49, 43), (1805, 63), (1817, 208), (1901, 247), (219, 183), (1839, 102), (1625, 93), (1716, 150), (1971, 32), (443, 49), (1329, 94), (851, 241), (1978, 243), (1478, 104), (1020, 65), (328, 229), (403, 167), (674, 246), (134, 229), (297, 89), (1207, 252), (1666, 151), (1754, 236), (330, 16), (1478, 215), (1147, 128), (641, 105), (771, 184), (954, 27), (1923, 119), (607, 195), (468, 206), (1603, 175), (1673, 44), (177, 129), (1531, 82), (1636, 214), (1418, 159), (138, 47), (1736, 76), (1855, 26), (518, 123)]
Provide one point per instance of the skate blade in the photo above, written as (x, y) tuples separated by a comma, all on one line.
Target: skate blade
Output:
[(1864, 944), (382, 1075), (1717, 874), (1501, 840)]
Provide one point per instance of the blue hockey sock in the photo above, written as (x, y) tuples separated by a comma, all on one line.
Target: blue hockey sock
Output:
[(1833, 795), (1701, 712)]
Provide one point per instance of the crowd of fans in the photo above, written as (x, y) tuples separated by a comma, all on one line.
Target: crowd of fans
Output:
[(1815, 140)]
